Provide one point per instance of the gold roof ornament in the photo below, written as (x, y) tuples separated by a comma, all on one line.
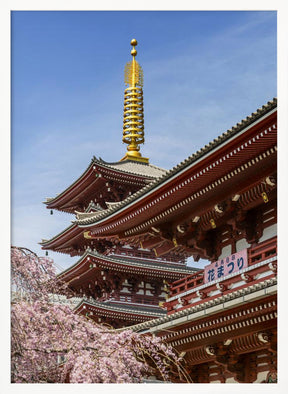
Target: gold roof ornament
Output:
[(133, 122)]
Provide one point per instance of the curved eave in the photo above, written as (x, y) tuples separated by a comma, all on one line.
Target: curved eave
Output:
[(163, 270), (121, 311), (60, 239), (202, 158), (88, 177), (60, 200)]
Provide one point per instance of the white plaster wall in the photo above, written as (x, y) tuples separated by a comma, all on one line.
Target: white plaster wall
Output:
[(242, 244), (261, 376), (269, 232), (226, 251)]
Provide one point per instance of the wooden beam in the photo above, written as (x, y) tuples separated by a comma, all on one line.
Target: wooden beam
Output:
[(151, 242), (163, 249)]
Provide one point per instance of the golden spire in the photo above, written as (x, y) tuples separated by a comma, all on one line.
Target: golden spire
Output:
[(133, 123)]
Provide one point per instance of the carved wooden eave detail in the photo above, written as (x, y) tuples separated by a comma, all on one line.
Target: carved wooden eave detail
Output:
[(197, 238), (228, 348), (151, 242), (234, 356), (74, 241), (123, 315)]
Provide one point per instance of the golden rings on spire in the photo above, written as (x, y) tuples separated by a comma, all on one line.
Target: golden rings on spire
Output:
[(133, 122)]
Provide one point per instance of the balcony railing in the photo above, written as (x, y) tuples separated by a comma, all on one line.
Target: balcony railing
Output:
[(256, 254), (262, 251), (187, 283)]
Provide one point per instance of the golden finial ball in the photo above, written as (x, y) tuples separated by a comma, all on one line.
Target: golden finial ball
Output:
[(134, 42), (133, 52)]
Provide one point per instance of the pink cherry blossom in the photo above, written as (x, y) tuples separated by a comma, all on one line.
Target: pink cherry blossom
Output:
[(50, 343)]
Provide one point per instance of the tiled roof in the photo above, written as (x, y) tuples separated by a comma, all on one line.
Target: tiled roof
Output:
[(126, 308), (91, 211), (169, 267), (80, 215), (128, 167), (190, 160), (133, 167)]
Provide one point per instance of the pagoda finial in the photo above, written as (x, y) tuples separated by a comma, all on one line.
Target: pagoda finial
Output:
[(133, 123)]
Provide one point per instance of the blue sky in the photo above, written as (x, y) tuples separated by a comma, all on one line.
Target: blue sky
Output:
[(203, 73)]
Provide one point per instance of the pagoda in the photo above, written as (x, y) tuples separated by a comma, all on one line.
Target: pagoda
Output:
[(136, 224), (119, 282)]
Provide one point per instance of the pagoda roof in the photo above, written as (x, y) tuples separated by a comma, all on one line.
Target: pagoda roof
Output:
[(133, 167), (72, 240), (114, 310), (191, 161), (63, 241), (127, 171), (92, 260)]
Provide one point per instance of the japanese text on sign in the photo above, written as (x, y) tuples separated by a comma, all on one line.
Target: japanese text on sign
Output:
[(223, 267)]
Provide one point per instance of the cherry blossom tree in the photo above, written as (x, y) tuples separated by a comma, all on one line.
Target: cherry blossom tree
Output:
[(52, 344)]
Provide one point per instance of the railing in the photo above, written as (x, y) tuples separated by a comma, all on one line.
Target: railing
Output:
[(144, 300), (262, 251), (187, 283), (256, 254)]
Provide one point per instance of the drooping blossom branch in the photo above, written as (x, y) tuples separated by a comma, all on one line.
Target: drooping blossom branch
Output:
[(50, 343)]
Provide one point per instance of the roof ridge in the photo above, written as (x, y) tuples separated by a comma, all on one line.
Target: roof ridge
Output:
[(124, 162)]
